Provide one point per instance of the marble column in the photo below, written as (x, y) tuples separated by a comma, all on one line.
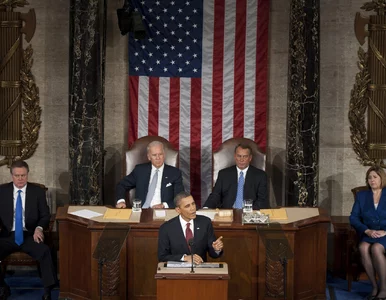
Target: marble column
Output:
[(86, 100), (302, 163)]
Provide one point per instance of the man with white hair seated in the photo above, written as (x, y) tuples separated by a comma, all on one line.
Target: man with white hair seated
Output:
[(156, 183)]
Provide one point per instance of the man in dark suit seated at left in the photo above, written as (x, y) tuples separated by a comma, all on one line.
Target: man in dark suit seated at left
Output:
[(156, 183), (24, 214)]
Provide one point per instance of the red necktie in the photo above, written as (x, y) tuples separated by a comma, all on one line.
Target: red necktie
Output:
[(188, 234)]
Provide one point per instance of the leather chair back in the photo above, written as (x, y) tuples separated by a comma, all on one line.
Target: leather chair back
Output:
[(137, 154), (358, 189), (224, 156)]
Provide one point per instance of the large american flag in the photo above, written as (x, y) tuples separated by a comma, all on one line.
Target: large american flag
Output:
[(199, 78)]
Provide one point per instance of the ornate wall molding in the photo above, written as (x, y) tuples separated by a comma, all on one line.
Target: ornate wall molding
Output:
[(19, 96), (369, 91)]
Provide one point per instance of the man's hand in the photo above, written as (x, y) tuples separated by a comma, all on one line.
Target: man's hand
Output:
[(38, 235), (121, 205), (158, 206), (218, 244), (196, 259)]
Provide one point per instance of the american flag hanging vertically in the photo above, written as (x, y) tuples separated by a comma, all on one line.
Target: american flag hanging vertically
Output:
[(199, 78)]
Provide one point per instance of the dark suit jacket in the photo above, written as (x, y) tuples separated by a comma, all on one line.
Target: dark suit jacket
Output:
[(139, 179), (364, 215), (36, 209), (225, 190), (172, 243)]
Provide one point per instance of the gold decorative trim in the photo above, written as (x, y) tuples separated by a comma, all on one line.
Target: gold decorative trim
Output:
[(378, 6), (9, 84), (9, 143), (377, 54), (11, 24), (374, 87), (377, 146), (377, 112), (9, 54), (8, 112), (376, 27), (31, 110), (13, 3), (358, 105)]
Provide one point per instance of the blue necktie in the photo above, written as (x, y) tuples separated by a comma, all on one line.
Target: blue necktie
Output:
[(240, 192), (19, 238)]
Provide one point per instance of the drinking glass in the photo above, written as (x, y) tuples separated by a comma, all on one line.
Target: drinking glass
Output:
[(137, 205), (247, 205)]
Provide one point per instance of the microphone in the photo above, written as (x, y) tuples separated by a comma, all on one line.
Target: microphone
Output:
[(191, 244)]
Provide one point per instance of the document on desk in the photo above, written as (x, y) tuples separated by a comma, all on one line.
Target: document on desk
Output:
[(207, 213), (86, 213), (159, 214), (184, 264), (117, 214), (275, 214)]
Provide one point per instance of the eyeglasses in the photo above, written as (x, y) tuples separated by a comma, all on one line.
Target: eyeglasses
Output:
[(19, 176)]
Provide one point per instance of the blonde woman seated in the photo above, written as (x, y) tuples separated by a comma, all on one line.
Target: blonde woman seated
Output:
[(368, 217)]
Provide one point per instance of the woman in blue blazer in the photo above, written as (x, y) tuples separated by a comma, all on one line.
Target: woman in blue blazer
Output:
[(368, 217)]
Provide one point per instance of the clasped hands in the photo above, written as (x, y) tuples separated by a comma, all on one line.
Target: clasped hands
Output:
[(375, 233)]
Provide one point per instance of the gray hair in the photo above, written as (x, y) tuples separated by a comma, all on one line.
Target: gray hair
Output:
[(155, 143)]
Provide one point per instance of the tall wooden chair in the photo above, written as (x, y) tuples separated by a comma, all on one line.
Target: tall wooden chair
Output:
[(137, 154), (224, 156)]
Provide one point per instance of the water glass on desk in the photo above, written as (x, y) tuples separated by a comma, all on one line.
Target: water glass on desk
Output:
[(137, 205), (247, 205)]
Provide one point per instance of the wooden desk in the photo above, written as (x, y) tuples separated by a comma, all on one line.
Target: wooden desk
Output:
[(255, 255)]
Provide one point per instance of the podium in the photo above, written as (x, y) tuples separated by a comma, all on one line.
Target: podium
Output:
[(204, 284), (272, 262)]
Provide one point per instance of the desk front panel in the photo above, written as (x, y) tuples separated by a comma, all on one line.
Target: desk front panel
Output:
[(255, 272)]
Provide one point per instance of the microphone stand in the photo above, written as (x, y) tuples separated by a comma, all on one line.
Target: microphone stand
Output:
[(191, 244)]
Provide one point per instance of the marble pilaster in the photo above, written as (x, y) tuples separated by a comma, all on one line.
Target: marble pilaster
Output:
[(86, 100), (303, 104)]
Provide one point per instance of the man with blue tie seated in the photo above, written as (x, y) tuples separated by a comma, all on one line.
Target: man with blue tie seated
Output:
[(239, 182), (24, 214), (187, 233), (156, 183)]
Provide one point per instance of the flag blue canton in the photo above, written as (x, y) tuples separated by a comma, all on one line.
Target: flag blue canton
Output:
[(173, 43)]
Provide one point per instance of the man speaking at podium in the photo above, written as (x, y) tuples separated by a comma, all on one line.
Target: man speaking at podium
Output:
[(186, 234)]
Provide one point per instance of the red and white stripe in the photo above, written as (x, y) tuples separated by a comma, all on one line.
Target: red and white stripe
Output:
[(197, 114)]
